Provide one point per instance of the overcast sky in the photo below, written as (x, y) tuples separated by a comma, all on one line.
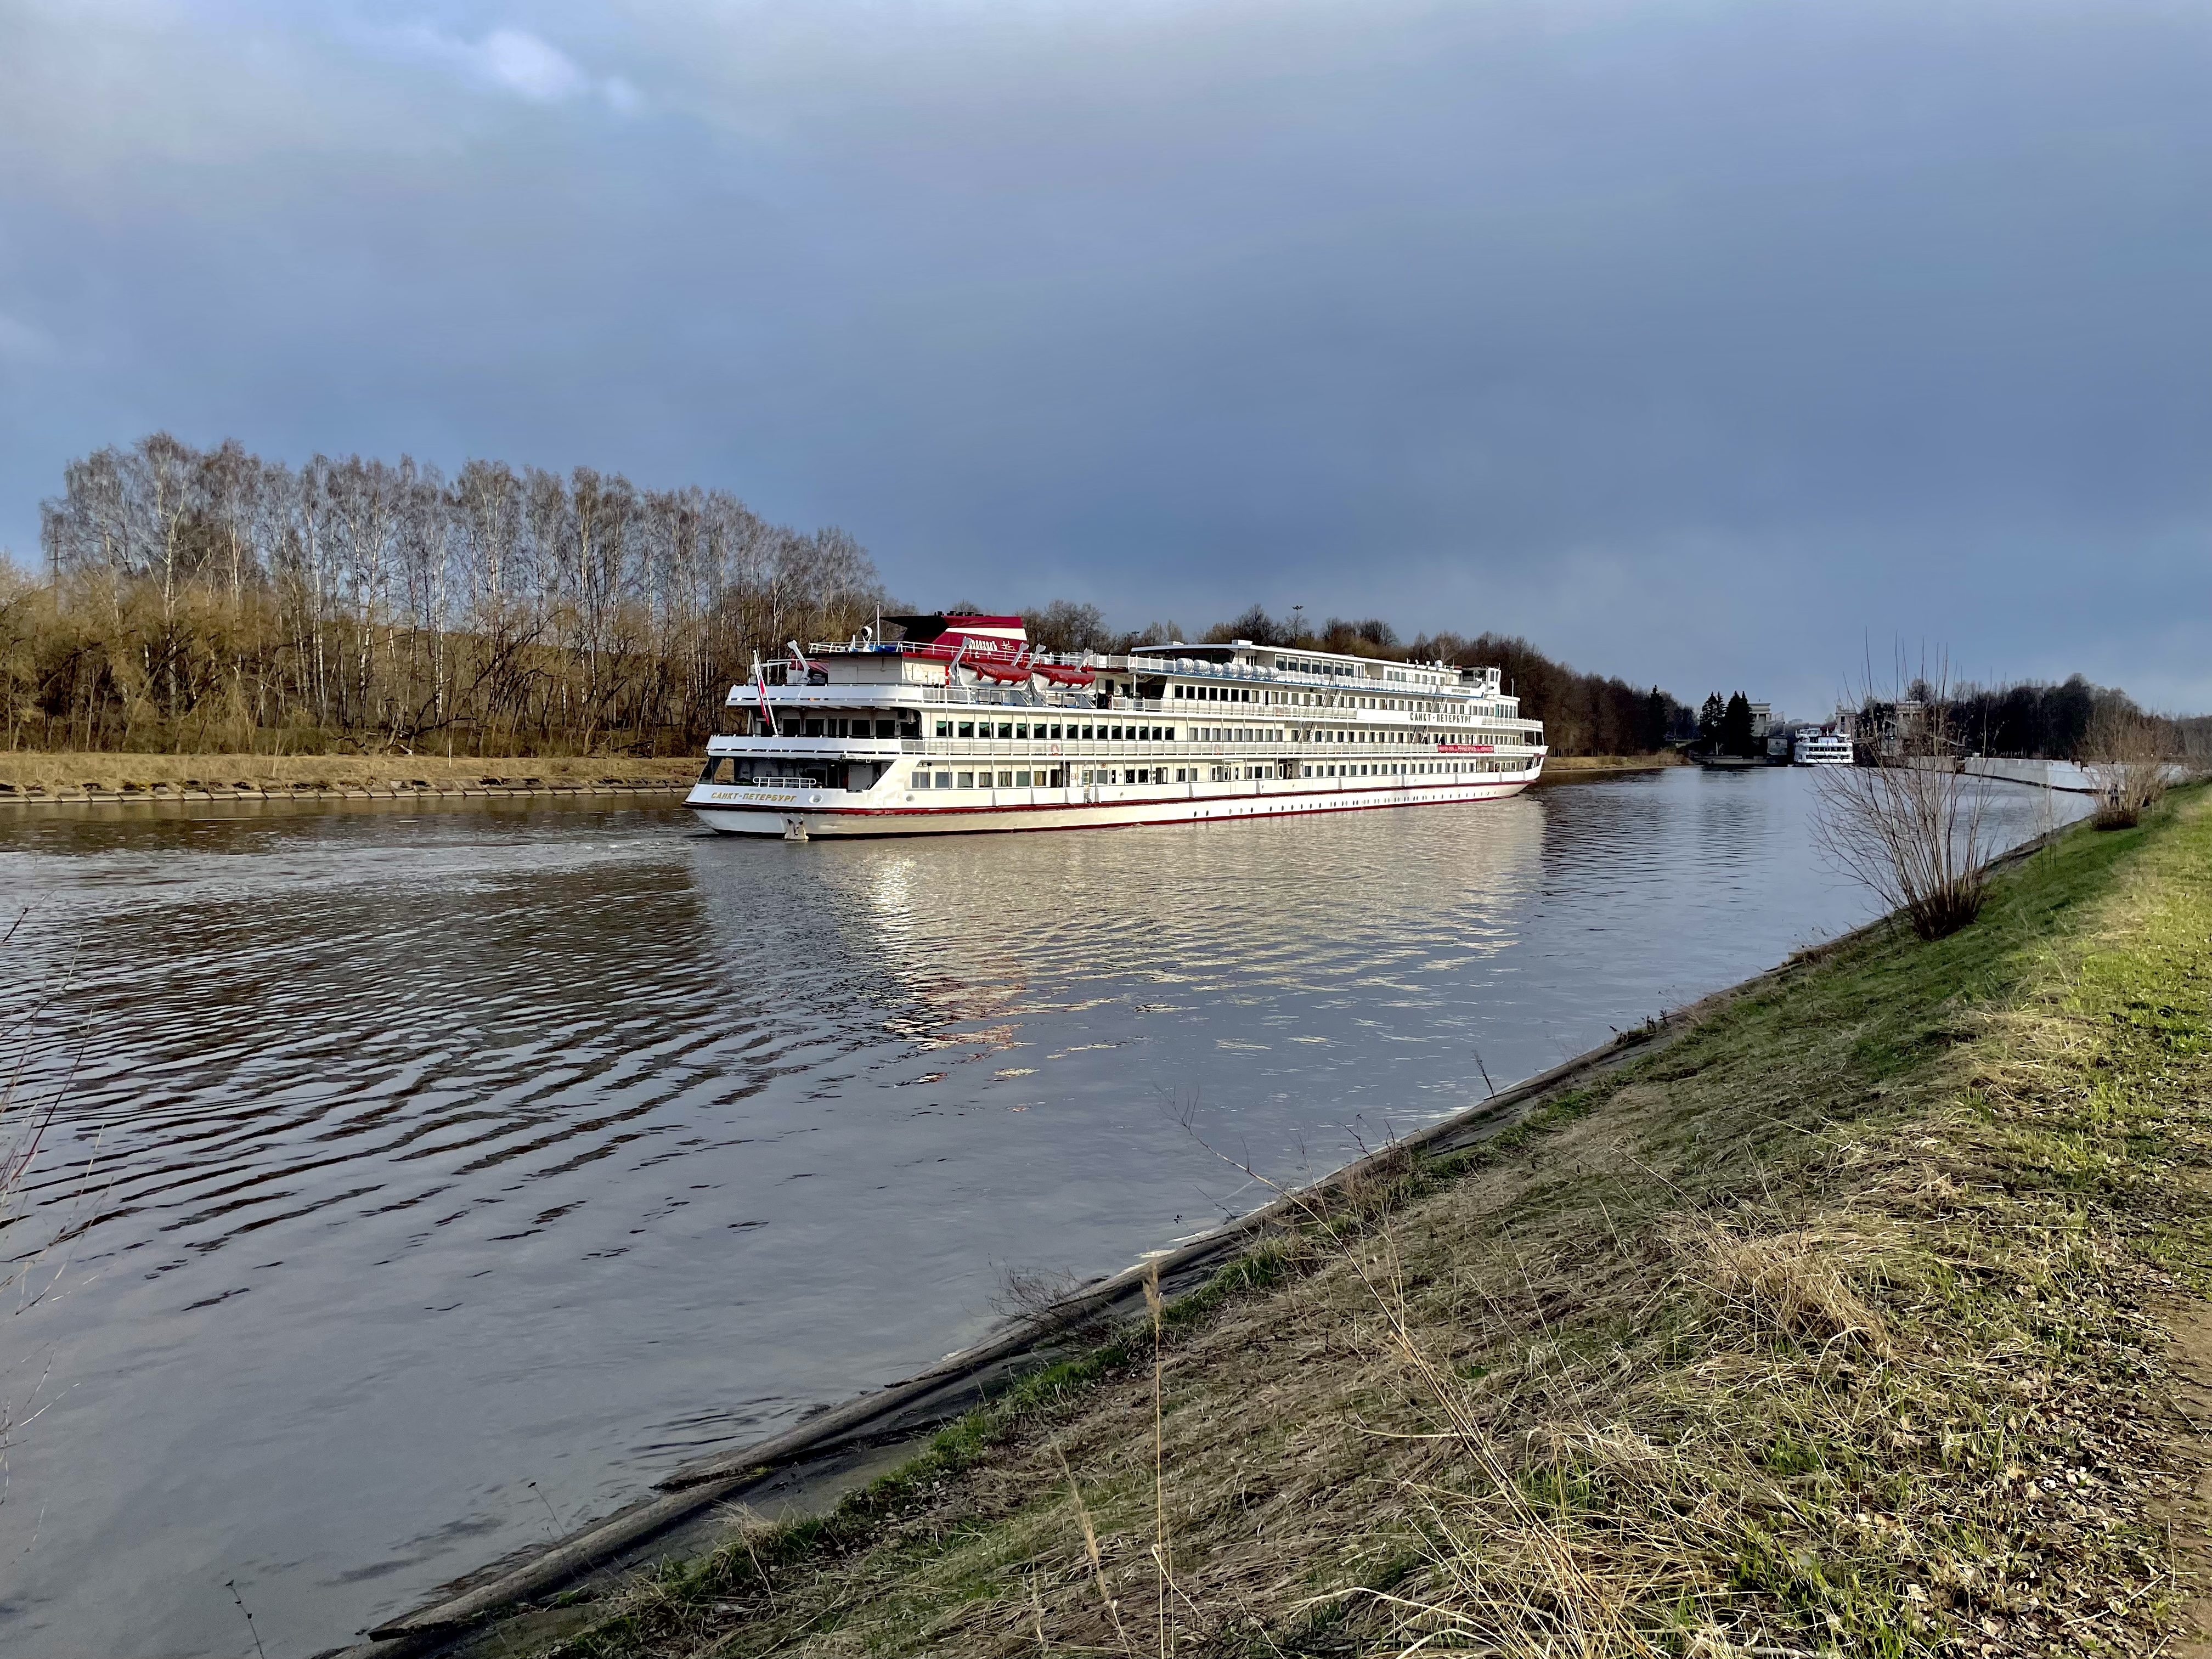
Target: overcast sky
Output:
[(1703, 342)]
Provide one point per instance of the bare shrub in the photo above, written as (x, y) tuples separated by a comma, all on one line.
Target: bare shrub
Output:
[(1909, 824), (1028, 1293), (2122, 756)]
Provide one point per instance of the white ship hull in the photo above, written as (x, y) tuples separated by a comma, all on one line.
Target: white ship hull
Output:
[(735, 810), (960, 728)]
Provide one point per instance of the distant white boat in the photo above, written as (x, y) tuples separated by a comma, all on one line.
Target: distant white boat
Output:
[(1821, 749)]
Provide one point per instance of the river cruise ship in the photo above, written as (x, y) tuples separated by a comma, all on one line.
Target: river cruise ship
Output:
[(1821, 748), (960, 725)]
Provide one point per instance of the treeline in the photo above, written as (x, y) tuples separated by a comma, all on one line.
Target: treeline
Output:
[(2032, 722), (211, 599), (1583, 714), (1725, 726)]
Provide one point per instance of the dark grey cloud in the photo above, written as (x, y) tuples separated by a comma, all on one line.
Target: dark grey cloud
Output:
[(1704, 343)]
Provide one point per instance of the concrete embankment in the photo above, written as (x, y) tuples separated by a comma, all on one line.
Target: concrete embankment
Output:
[(2068, 777), (2065, 776), (1840, 1313)]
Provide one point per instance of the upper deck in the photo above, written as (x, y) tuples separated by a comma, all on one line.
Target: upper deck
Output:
[(978, 660)]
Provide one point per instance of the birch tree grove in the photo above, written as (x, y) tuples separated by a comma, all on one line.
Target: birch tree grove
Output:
[(210, 600)]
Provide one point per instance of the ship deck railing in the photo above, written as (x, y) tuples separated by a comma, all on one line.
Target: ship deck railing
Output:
[(879, 749), (1306, 769), (1183, 667), (1015, 697), (958, 749), (1109, 749)]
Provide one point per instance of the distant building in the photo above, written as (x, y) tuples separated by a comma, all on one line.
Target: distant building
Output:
[(1762, 718)]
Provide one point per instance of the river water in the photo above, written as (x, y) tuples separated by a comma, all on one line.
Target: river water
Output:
[(425, 1181)]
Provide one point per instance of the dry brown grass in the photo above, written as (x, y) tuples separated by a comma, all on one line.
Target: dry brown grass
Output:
[(1834, 1327), (1665, 758)]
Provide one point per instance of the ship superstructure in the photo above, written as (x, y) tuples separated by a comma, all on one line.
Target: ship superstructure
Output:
[(1822, 747), (960, 725)]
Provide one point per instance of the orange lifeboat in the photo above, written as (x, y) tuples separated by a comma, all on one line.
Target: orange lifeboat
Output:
[(1013, 673), (1054, 675)]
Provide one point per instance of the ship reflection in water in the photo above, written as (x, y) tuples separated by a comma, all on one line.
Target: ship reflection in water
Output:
[(1252, 970), (440, 1154)]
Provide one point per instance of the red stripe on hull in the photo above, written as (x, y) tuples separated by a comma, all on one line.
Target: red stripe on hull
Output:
[(1304, 801)]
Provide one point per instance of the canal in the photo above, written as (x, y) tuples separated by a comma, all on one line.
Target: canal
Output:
[(421, 1183)]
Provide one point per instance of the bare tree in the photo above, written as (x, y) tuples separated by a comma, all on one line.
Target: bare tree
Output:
[(1909, 825), (1065, 625), (356, 602), (2123, 756)]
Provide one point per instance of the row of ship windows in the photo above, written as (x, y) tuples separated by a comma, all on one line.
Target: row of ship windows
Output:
[(1020, 731), (1013, 731), (1451, 711), (831, 726), (1050, 778), (1336, 699), (1023, 731)]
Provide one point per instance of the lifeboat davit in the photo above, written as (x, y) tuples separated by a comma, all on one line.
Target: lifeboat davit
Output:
[(1053, 675)]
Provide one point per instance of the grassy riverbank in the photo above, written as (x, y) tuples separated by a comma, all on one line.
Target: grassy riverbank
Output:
[(1568, 766), (24, 769), (1852, 1319)]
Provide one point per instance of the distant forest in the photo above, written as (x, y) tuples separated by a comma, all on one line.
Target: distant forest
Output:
[(210, 600), (1583, 714), (2058, 722)]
